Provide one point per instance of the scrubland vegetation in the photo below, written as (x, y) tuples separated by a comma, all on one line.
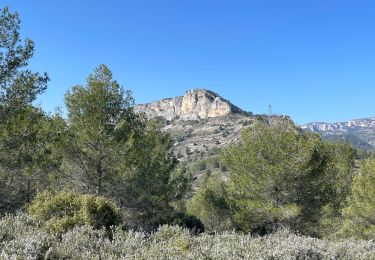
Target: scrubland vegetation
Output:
[(23, 238), (102, 181)]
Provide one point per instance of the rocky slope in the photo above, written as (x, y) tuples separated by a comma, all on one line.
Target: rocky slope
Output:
[(200, 121), (360, 132)]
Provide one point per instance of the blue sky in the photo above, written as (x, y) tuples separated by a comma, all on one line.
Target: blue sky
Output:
[(313, 59)]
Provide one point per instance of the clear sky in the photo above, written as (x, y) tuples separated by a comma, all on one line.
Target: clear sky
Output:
[(311, 59)]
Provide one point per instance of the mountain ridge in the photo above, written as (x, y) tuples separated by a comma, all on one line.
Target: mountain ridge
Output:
[(201, 120), (343, 125), (359, 132)]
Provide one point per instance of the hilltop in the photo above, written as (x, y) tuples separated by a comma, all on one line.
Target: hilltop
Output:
[(196, 104), (200, 121)]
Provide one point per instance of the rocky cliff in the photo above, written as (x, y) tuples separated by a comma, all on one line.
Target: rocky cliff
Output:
[(199, 122), (194, 105)]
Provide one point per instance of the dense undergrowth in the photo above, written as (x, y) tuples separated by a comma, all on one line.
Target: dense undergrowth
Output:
[(22, 237)]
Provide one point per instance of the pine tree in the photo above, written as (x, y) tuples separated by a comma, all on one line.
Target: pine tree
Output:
[(109, 150), (26, 158), (263, 170), (280, 176)]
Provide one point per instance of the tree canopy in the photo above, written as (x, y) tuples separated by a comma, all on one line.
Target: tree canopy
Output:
[(359, 216), (280, 176), (26, 159)]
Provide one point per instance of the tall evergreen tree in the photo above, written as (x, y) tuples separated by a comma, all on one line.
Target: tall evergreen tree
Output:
[(263, 170), (110, 150), (26, 159), (19, 87), (100, 122)]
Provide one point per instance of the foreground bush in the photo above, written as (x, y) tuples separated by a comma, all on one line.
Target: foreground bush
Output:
[(21, 237), (66, 210)]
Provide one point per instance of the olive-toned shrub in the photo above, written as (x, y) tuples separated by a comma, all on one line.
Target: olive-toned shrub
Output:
[(65, 210), (21, 238)]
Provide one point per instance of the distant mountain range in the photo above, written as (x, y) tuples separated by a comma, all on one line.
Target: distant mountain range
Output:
[(360, 132)]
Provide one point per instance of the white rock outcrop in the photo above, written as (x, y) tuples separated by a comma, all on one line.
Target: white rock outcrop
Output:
[(194, 105)]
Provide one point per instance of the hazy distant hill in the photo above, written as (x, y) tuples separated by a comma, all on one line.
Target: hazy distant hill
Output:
[(359, 132)]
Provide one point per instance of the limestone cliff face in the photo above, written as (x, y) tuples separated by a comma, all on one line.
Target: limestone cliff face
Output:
[(168, 108), (194, 105), (198, 122)]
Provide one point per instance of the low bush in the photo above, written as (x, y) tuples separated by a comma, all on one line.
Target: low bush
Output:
[(21, 237), (63, 211)]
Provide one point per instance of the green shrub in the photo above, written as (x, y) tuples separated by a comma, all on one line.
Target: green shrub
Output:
[(65, 210), (210, 205)]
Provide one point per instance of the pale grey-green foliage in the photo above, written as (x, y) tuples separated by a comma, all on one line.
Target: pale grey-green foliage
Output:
[(22, 238)]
